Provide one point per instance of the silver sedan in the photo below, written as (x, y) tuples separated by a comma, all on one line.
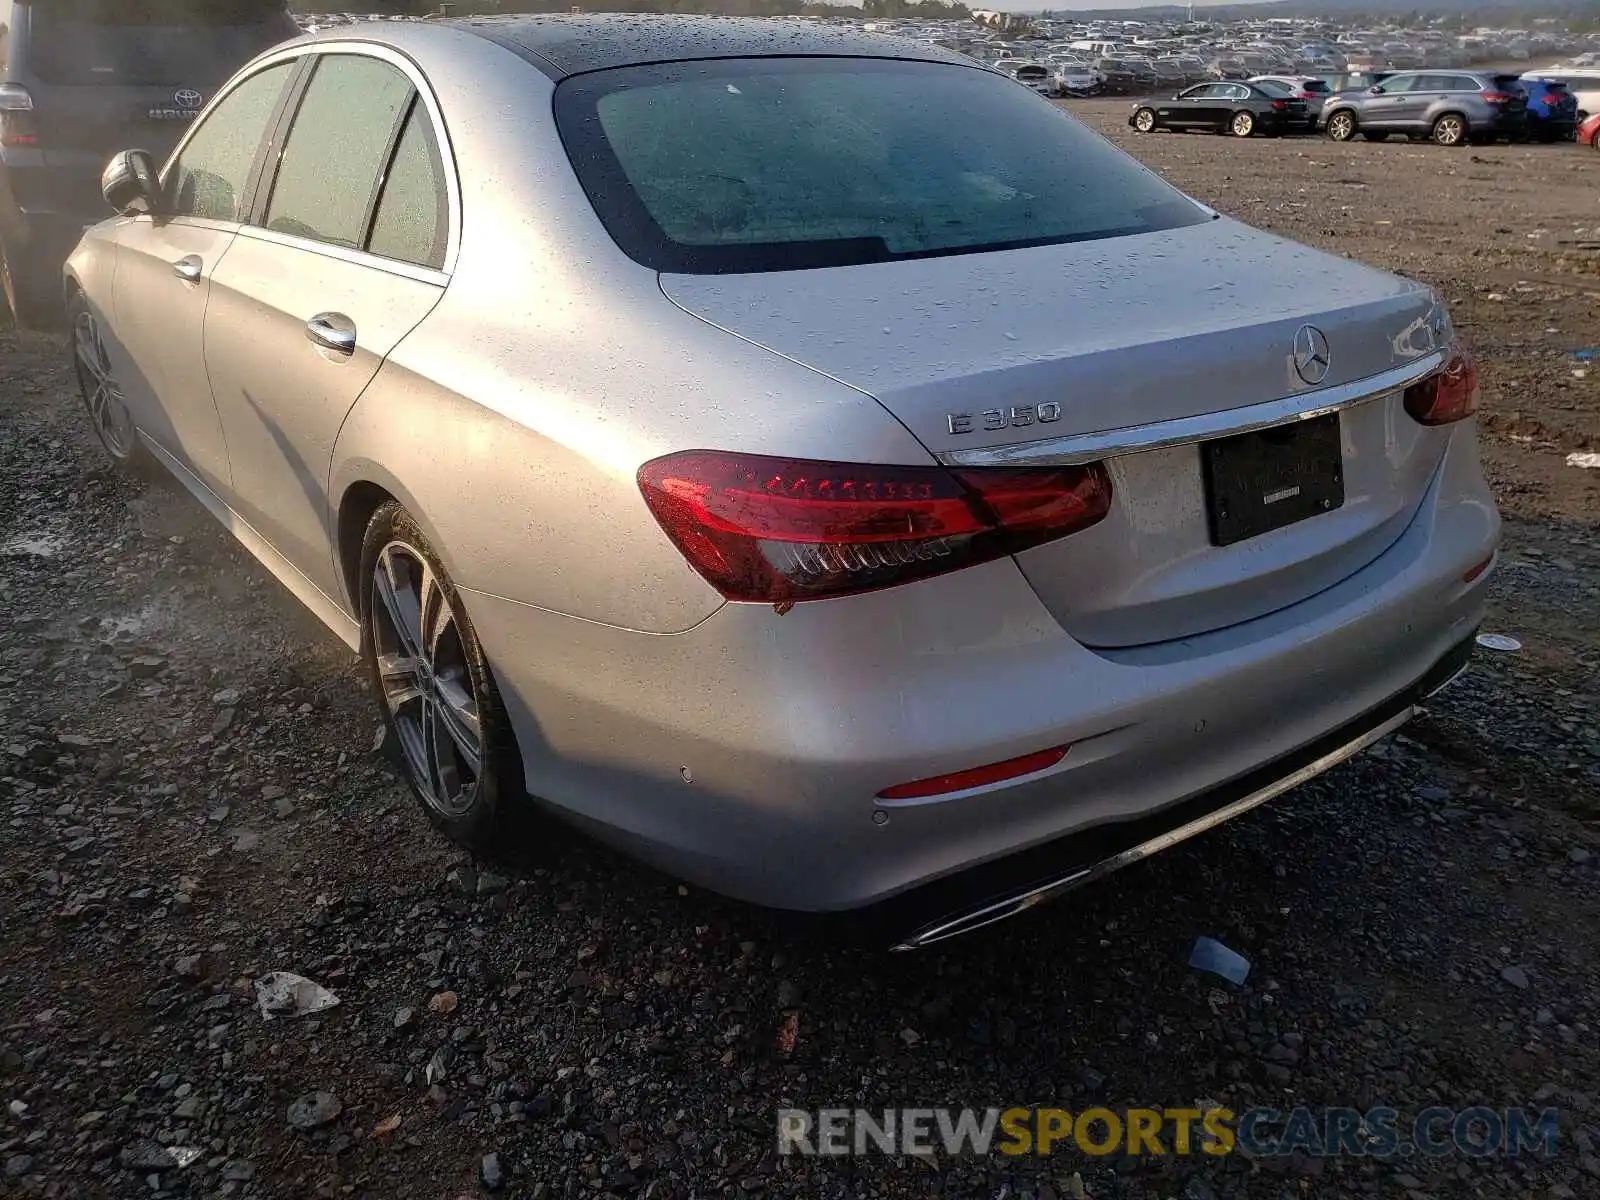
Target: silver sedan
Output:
[(844, 502)]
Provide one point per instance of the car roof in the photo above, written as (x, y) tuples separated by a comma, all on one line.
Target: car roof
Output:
[(563, 45)]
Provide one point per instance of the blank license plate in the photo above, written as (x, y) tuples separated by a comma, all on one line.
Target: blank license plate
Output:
[(1261, 481)]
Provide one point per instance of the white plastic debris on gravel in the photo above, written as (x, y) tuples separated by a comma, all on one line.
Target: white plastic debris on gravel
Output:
[(285, 994)]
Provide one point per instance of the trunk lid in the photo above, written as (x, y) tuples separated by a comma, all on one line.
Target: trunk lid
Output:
[(990, 350)]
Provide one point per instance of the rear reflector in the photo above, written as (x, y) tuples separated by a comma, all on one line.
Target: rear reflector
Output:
[(780, 530), (961, 781), (1447, 395), (1477, 570)]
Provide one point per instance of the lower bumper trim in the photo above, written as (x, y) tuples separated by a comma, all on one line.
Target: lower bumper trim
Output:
[(1026, 880)]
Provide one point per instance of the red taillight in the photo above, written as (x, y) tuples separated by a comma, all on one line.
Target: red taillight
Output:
[(1498, 97), (1280, 105), (961, 781), (1305, 96), (1448, 395), (780, 530), (16, 116)]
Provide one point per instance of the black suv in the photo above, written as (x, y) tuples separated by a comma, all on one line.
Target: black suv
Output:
[(82, 79)]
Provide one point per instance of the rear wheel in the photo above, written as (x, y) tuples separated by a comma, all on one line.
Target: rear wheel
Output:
[(1342, 126), (1145, 120), (439, 701), (1450, 130), (1243, 124)]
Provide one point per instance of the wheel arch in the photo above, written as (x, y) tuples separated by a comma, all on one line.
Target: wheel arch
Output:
[(364, 488)]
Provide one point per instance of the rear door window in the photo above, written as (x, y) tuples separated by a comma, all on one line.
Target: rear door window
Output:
[(336, 152), (150, 42), (212, 172)]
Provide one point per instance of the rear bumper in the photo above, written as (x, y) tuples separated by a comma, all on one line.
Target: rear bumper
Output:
[(746, 755), (991, 893)]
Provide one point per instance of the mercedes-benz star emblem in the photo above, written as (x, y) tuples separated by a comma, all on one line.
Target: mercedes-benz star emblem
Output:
[(1311, 356), (188, 98)]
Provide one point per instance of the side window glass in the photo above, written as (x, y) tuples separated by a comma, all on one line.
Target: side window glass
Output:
[(1398, 84), (336, 150), (209, 178), (412, 218)]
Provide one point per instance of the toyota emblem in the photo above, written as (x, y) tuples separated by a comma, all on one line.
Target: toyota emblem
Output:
[(188, 98), (1311, 356)]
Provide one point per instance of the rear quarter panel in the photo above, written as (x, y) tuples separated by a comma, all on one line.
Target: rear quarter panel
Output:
[(513, 421)]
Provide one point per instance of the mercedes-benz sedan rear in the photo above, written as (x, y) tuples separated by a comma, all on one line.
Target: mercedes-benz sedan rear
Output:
[(839, 501)]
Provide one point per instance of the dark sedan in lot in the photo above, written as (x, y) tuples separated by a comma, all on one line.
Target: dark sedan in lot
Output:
[(1241, 109)]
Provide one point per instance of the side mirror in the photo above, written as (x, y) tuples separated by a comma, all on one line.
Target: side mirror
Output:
[(1375, 90), (129, 183)]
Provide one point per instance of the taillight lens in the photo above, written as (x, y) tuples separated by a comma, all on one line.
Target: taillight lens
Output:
[(1498, 97), (1447, 395), (16, 116), (1280, 105), (780, 530)]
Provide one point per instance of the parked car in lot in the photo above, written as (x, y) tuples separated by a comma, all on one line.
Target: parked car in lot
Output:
[(1077, 80), (1552, 110), (1301, 87), (1451, 107), (575, 371), (1241, 109), (1588, 132), (81, 78)]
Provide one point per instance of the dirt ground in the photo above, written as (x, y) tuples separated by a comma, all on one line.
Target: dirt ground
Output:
[(191, 796), (1508, 235)]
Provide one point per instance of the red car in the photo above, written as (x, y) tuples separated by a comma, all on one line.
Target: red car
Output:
[(1589, 132)]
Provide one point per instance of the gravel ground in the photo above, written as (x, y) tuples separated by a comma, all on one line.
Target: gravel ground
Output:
[(190, 797)]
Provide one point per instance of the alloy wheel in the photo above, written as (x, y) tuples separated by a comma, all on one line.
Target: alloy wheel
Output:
[(108, 408), (427, 687), (1243, 125), (1449, 131), (1341, 127), (1144, 120)]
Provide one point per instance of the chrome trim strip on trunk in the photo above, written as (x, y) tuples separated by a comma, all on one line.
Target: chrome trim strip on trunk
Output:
[(1000, 910), (1109, 443)]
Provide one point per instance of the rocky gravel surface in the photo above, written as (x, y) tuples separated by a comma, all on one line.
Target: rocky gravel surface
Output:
[(192, 796)]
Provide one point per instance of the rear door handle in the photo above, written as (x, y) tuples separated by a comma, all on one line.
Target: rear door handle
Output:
[(188, 268), (332, 331)]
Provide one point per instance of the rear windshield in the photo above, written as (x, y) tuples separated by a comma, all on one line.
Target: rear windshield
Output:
[(777, 164), (1316, 86), (1272, 87), (168, 43)]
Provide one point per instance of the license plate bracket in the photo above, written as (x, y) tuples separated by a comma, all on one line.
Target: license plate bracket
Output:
[(1264, 480)]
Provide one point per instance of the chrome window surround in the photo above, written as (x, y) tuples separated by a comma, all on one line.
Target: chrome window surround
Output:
[(441, 135), (1073, 448)]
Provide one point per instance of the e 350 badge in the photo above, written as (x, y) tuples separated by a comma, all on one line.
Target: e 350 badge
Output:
[(1004, 418)]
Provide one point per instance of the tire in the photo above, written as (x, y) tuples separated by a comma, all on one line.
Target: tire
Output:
[(1144, 120), (102, 397), (1376, 137), (1342, 125), (1450, 130), (32, 305), (1242, 125), (440, 706)]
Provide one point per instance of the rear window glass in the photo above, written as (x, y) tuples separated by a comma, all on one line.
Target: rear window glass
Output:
[(151, 42), (1316, 85), (1272, 87), (771, 164)]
